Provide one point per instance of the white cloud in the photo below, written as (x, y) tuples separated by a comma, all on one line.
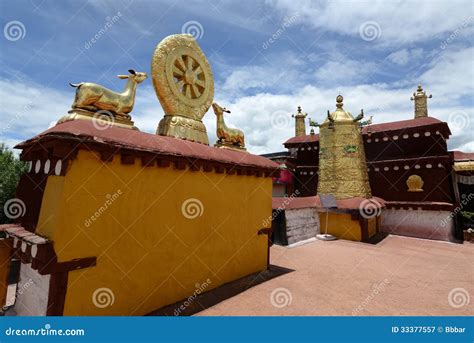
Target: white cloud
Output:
[(451, 75), (345, 71), (402, 57), (399, 21), (27, 109)]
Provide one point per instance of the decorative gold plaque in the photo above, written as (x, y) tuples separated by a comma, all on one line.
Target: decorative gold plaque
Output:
[(184, 84), (415, 183)]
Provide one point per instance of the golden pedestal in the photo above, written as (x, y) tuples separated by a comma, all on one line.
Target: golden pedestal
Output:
[(103, 119), (229, 146), (183, 128)]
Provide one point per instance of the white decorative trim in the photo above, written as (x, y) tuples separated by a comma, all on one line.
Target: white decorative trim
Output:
[(395, 168), (34, 250), (416, 135), (30, 166), (429, 166), (376, 140), (376, 169), (405, 136), (385, 139), (369, 140), (58, 167), (37, 166), (47, 165), (406, 167), (395, 138), (386, 168), (417, 166), (427, 133)]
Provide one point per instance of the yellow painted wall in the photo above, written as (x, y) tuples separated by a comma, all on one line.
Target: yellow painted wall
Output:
[(341, 226), (148, 254), (372, 226)]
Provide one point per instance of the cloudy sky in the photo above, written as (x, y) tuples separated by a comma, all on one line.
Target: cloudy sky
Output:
[(267, 58)]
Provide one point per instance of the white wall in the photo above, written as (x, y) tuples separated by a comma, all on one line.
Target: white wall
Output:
[(301, 224), (437, 225), (32, 292)]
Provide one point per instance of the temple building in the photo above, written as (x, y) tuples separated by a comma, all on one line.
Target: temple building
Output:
[(409, 166)]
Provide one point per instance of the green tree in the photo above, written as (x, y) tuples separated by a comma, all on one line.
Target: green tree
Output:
[(11, 169)]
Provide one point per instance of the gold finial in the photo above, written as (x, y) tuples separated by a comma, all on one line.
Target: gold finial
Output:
[(421, 103), (339, 100), (300, 127)]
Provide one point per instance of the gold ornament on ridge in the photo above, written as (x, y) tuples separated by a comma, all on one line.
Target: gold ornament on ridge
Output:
[(184, 84), (342, 163)]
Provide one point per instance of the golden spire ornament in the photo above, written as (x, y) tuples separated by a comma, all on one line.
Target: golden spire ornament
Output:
[(342, 163), (300, 127), (421, 102)]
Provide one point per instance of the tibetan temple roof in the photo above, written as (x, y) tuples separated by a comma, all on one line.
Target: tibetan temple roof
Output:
[(463, 156), (85, 132), (384, 127)]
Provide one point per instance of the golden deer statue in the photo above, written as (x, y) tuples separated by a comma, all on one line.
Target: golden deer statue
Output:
[(227, 137), (94, 97)]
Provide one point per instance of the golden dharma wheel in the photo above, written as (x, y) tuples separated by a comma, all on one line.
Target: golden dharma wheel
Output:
[(182, 77)]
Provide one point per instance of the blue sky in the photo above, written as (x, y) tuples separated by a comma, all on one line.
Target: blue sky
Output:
[(267, 58)]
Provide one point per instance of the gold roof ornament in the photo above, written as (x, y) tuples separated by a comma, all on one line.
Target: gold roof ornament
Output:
[(107, 107), (342, 163), (184, 84), (227, 137), (421, 102), (300, 127)]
